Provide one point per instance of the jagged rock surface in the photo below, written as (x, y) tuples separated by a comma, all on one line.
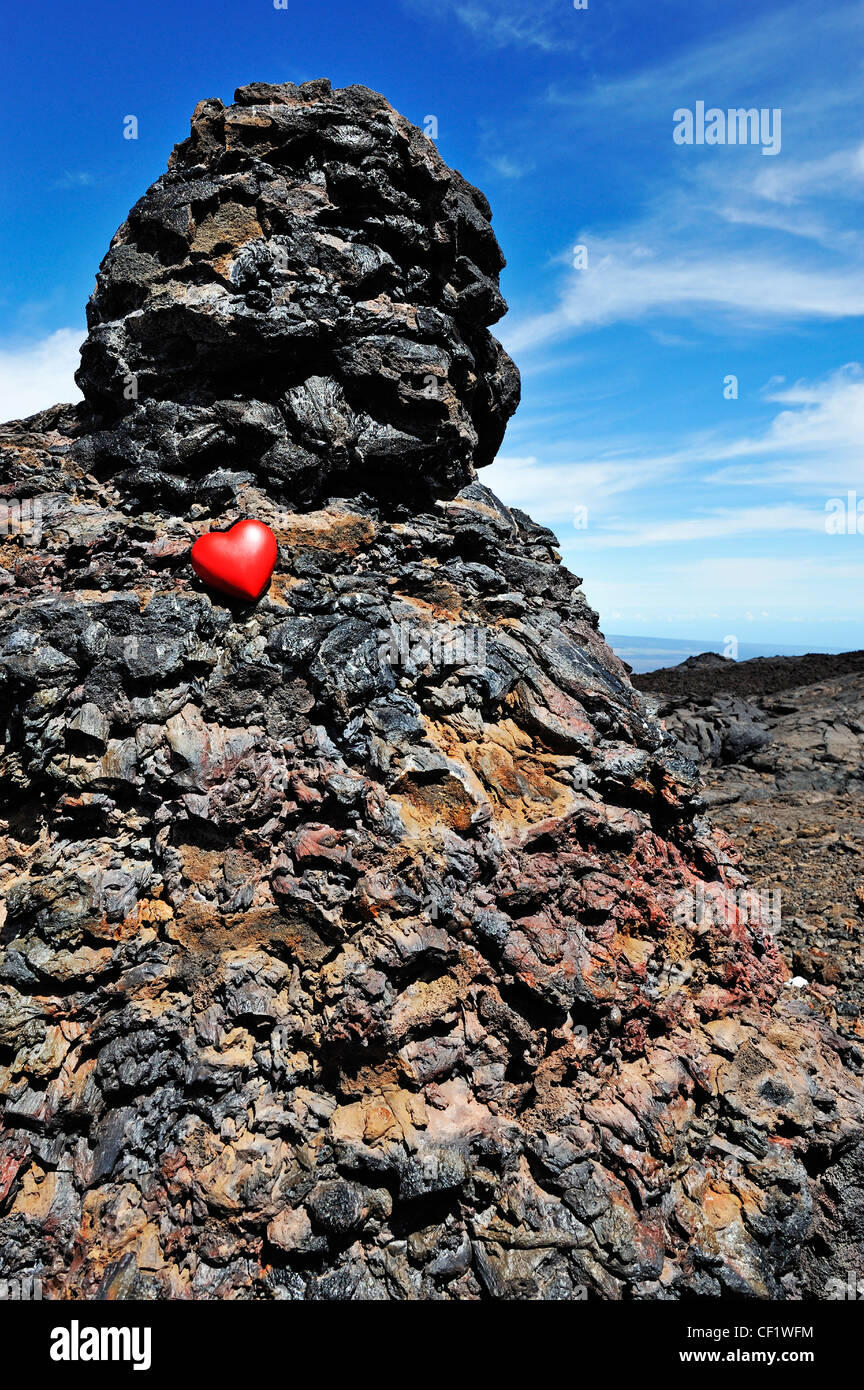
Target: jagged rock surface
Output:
[(347, 949), (783, 773), (305, 296)]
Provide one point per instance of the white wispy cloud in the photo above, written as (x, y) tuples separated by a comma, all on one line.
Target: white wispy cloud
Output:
[(716, 235), (38, 374), (632, 277), (552, 489), (808, 450), (812, 199), (507, 168), (816, 441), (763, 54), (547, 25), (79, 178), (840, 171), (729, 523)]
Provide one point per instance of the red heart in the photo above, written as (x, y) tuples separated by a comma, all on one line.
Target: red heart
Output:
[(239, 562)]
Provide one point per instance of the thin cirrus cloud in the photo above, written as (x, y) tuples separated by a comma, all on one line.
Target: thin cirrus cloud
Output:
[(822, 424), (747, 264), (552, 490), (721, 524), (841, 171), (812, 66), (805, 199), (630, 279), (811, 446), (74, 179), (716, 235), (545, 24), (723, 260)]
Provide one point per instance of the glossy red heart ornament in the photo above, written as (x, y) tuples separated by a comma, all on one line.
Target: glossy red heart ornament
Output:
[(239, 562)]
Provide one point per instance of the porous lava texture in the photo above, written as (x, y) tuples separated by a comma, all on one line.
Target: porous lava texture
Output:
[(366, 941), (304, 297)]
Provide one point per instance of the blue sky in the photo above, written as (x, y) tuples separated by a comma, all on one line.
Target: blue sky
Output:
[(700, 516)]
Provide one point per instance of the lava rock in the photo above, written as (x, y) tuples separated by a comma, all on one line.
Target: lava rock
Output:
[(369, 941), (308, 288)]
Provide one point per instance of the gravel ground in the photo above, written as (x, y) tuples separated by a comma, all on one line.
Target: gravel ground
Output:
[(782, 766)]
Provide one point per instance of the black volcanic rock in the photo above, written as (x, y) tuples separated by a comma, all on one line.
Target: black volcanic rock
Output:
[(366, 941), (707, 674), (308, 287), (783, 775)]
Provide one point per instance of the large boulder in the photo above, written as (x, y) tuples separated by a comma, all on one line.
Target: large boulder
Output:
[(308, 287)]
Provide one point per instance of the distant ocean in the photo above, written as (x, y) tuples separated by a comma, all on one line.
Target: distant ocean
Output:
[(651, 653)]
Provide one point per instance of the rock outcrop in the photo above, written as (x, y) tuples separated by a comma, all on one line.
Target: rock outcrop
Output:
[(303, 298), (366, 941)]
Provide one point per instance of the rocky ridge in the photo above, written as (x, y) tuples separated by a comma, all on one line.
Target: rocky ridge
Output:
[(368, 941)]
